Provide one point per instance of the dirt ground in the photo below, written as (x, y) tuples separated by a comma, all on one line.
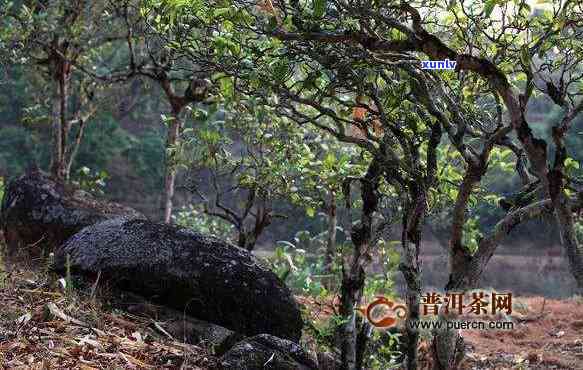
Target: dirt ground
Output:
[(42, 327), (544, 337), (548, 334)]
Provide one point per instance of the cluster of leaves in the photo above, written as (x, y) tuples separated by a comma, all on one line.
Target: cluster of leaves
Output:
[(194, 218), (484, 200), (320, 167), (304, 271), (385, 351), (383, 281), (258, 149), (93, 182), (325, 332), (301, 263)]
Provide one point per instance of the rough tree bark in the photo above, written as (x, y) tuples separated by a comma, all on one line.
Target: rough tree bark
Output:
[(61, 75), (353, 270), (563, 211), (64, 148), (362, 339), (448, 344), (410, 267), (196, 92), (414, 213), (174, 132), (573, 248), (447, 347), (331, 238)]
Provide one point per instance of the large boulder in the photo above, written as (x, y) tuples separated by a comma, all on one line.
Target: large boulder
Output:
[(199, 275), (38, 213), (267, 352)]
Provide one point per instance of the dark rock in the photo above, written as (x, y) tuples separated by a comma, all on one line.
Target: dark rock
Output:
[(199, 275), (267, 352), (205, 334), (181, 327), (38, 214)]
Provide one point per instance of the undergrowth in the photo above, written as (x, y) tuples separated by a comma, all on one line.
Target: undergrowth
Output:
[(71, 329), (318, 288)]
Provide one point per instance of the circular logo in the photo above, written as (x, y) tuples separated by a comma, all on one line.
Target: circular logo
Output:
[(386, 320)]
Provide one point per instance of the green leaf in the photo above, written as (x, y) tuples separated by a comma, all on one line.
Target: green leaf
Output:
[(280, 69), (319, 8), (571, 165), (310, 211), (525, 56), (489, 7), (330, 160), (272, 24), (227, 88), (221, 11)]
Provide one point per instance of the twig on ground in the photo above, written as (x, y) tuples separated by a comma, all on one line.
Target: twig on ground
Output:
[(94, 287), (159, 328), (55, 311)]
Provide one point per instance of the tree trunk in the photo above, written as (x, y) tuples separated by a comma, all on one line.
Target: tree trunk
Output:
[(331, 240), (353, 270), (465, 272), (60, 126), (350, 295), (172, 140), (574, 251), (448, 346), (56, 150), (410, 269), (71, 154), (246, 240), (362, 339), (413, 219)]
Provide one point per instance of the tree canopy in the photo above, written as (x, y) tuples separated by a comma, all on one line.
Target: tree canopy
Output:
[(325, 106)]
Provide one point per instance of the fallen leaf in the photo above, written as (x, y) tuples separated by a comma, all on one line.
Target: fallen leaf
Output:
[(137, 336), (24, 319)]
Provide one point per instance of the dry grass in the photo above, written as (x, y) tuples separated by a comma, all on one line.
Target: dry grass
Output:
[(43, 327)]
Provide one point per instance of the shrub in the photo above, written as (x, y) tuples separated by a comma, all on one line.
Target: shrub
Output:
[(194, 218)]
